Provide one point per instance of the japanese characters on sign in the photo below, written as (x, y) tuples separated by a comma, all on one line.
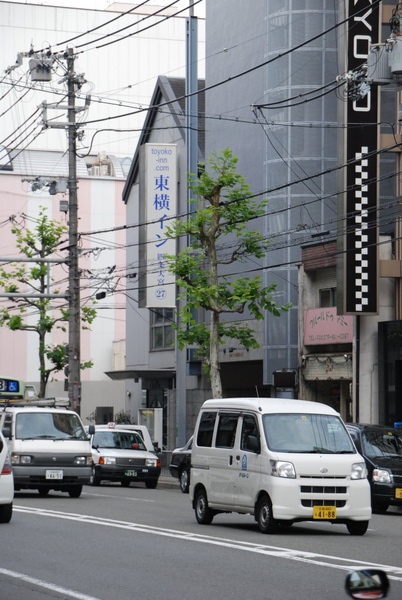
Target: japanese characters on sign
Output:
[(325, 326), (361, 159), (161, 207)]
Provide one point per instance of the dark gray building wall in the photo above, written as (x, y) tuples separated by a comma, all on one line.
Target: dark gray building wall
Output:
[(301, 142), (235, 41), (290, 142)]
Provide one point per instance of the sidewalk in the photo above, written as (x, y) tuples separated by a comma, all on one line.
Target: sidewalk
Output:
[(166, 481)]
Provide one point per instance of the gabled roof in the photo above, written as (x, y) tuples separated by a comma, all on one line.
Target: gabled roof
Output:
[(169, 90)]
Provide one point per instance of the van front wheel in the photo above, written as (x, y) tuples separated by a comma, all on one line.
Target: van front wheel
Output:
[(264, 518), (203, 513), (357, 527)]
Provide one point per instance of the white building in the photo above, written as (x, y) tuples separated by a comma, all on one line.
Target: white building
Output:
[(120, 56)]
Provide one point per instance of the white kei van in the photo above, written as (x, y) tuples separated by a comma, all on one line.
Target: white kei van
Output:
[(281, 460)]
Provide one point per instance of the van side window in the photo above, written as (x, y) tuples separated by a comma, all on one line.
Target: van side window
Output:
[(249, 428), (225, 437), (206, 429)]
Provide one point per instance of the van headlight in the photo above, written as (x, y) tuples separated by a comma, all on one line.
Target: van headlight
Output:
[(83, 460), (359, 471), (21, 459), (382, 476), (281, 468)]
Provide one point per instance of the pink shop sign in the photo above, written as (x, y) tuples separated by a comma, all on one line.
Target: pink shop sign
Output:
[(324, 326)]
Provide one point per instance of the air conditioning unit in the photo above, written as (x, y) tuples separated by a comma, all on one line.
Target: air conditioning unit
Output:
[(105, 169)]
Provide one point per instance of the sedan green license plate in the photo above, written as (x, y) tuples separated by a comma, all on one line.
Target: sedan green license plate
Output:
[(130, 473), (324, 512)]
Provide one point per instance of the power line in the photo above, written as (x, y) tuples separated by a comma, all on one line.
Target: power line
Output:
[(241, 74)]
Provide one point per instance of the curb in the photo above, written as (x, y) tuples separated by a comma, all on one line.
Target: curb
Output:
[(168, 483)]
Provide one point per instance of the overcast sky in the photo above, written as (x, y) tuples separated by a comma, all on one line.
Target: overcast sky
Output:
[(103, 4)]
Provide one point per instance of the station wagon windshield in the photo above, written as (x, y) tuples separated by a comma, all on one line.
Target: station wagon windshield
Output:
[(118, 439), (381, 443), (54, 426), (307, 433)]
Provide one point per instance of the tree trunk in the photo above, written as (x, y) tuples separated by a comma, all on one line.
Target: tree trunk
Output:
[(42, 387), (215, 372)]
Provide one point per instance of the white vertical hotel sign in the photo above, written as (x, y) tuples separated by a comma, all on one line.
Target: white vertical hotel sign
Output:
[(161, 206)]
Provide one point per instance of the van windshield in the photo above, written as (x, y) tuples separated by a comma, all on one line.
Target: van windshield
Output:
[(52, 426), (381, 443), (307, 433)]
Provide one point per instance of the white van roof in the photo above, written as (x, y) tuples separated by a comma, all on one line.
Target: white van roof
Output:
[(270, 405)]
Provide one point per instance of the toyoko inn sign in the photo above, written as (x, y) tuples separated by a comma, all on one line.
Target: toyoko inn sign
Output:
[(360, 262), (161, 206)]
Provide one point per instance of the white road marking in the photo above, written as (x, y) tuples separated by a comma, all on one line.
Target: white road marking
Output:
[(334, 562), (118, 497), (47, 585)]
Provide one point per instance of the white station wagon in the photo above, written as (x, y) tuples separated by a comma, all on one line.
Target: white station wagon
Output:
[(121, 455)]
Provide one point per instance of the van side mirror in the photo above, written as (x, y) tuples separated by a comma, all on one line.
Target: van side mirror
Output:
[(91, 429), (367, 583), (157, 449), (253, 444), (7, 433)]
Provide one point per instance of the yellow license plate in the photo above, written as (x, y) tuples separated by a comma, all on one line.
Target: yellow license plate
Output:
[(398, 493), (324, 512)]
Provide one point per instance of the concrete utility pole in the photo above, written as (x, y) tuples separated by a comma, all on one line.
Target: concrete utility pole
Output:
[(40, 66), (74, 330), (192, 166)]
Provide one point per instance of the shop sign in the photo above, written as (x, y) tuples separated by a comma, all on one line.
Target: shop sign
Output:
[(325, 326)]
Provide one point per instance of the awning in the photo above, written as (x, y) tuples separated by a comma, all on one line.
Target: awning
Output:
[(142, 374), (327, 366)]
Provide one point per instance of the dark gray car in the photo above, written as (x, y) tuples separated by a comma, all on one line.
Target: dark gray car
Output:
[(180, 465), (381, 447)]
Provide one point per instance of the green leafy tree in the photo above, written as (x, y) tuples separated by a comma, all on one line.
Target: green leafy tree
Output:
[(219, 235), (33, 278), (122, 418)]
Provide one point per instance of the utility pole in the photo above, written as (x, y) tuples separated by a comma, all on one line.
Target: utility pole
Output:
[(40, 66), (74, 332), (192, 165)]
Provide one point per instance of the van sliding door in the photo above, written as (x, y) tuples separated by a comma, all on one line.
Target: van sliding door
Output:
[(222, 467)]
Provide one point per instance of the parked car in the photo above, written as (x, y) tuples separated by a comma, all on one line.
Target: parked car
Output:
[(180, 465), (6, 483), (381, 447), (121, 455)]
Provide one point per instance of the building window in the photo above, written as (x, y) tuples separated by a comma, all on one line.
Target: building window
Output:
[(327, 297), (162, 333)]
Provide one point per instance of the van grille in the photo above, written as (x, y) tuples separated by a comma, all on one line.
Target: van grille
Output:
[(311, 503), (326, 488), (318, 489), (322, 477)]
